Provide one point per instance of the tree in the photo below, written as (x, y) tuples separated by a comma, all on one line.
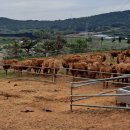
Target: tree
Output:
[(15, 49), (45, 47), (89, 39), (79, 46), (27, 44), (128, 40), (60, 43), (43, 34), (12, 49), (49, 45), (113, 39), (102, 39), (120, 39)]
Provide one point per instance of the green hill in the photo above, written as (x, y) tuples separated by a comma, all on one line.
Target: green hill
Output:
[(115, 23)]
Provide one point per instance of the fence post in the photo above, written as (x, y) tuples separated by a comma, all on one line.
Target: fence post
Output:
[(71, 98), (54, 75)]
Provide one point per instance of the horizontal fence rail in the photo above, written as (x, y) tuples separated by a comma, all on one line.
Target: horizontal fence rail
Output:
[(61, 68), (82, 98), (79, 97), (58, 74), (98, 106), (84, 83), (100, 95)]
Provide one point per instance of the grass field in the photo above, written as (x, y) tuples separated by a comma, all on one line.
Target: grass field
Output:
[(96, 44)]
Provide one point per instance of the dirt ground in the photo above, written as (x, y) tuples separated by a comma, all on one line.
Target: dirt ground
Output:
[(30, 105)]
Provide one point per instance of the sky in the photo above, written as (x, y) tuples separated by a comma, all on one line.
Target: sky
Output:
[(58, 9)]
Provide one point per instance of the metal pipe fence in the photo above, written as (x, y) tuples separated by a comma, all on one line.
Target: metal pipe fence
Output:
[(98, 106), (79, 97), (94, 81), (99, 72), (82, 98), (18, 75)]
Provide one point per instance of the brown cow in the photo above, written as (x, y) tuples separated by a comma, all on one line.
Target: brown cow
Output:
[(123, 68), (114, 54), (22, 65), (79, 68), (121, 58), (107, 69), (126, 53), (93, 67), (7, 64), (37, 64), (45, 65)]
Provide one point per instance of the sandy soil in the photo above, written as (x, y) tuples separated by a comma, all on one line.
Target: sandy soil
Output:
[(29, 105)]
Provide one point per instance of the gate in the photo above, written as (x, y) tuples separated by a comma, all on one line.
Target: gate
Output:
[(75, 97)]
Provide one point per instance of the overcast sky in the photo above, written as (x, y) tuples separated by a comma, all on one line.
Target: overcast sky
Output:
[(58, 9)]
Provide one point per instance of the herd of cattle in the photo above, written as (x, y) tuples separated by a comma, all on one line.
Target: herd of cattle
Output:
[(86, 65), (48, 65)]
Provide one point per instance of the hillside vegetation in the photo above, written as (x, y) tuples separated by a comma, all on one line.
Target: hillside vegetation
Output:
[(116, 23)]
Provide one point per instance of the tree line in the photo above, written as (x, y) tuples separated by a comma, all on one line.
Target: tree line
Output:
[(54, 45)]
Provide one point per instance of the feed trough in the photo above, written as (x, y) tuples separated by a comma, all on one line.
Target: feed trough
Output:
[(123, 100)]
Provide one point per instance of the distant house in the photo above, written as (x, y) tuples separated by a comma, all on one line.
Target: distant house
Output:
[(104, 36)]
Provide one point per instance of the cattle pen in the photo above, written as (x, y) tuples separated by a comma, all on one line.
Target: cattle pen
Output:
[(79, 84)]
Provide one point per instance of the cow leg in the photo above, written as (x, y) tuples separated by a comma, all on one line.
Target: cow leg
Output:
[(35, 70), (21, 72), (106, 84), (76, 75), (126, 80), (103, 84), (45, 70), (73, 76), (67, 71), (56, 73), (118, 80), (39, 70), (6, 72), (123, 80), (86, 74)]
